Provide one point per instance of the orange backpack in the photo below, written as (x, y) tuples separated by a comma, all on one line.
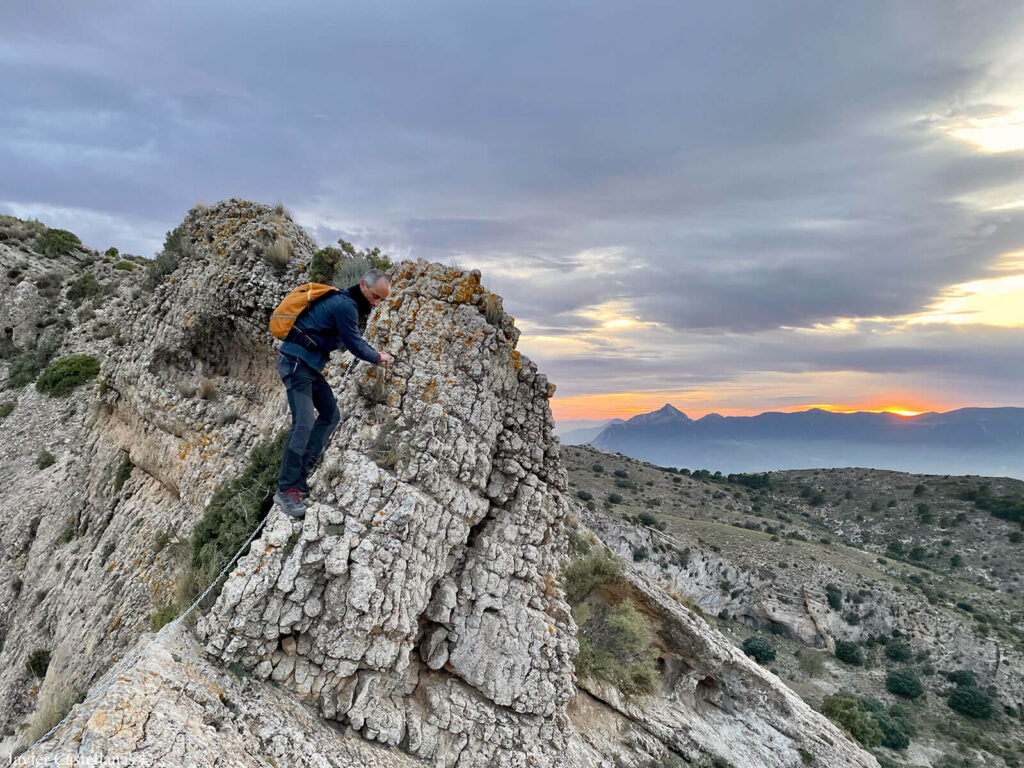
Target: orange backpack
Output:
[(294, 304)]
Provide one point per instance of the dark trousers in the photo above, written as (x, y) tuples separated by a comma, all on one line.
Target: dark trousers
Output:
[(307, 391)]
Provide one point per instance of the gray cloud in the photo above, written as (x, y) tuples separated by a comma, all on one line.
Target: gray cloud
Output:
[(752, 165)]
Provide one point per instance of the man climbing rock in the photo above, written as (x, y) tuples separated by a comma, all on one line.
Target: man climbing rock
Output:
[(331, 321)]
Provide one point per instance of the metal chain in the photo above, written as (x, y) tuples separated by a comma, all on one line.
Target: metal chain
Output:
[(115, 672)]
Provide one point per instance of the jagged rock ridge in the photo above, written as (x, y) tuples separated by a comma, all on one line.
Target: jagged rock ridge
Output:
[(417, 605)]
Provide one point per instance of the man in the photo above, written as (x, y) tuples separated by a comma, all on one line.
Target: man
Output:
[(332, 321)]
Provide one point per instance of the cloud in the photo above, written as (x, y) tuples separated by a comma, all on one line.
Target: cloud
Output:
[(662, 193)]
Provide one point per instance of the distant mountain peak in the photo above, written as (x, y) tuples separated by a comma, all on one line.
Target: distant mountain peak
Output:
[(667, 414)]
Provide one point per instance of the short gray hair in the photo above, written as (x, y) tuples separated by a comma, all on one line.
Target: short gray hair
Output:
[(371, 276)]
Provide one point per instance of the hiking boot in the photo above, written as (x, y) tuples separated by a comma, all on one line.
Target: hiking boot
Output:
[(291, 502)]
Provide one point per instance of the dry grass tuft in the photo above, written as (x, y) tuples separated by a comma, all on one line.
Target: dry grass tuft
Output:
[(279, 253)]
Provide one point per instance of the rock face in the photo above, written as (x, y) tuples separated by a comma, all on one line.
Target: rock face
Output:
[(415, 616), (434, 545)]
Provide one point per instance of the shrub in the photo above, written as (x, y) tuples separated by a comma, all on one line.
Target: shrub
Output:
[(896, 730), (584, 495), (38, 662), (85, 287), (25, 367), (811, 661), (582, 575), (615, 646), (962, 677), (849, 653), (640, 554), (646, 518), (176, 246), (163, 615), (46, 459), (760, 648), (278, 254), (835, 597), (235, 508), (124, 471), (971, 702), (924, 513), (895, 549), (846, 711), (905, 683), (621, 473), (112, 252), (6, 410), (54, 242), (63, 375), (598, 468), (614, 498), (125, 266), (897, 650)]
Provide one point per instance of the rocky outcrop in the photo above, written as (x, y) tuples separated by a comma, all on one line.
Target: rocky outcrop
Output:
[(415, 616), (433, 546), (715, 707)]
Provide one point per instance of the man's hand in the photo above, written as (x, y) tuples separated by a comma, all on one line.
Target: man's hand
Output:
[(385, 359)]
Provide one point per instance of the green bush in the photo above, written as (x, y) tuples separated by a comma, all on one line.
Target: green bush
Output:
[(905, 683), (760, 648), (849, 653), (615, 646), (584, 495), (237, 506), (112, 252), (835, 597), (126, 266), (896, 731), (640, 554), (846, 711), (598, 468), (924, 513), (176, 245), (46, 459), (6, 410), (582, 575), (38, 662), (614, 498), (621, 473), (85, 287), (27, 365), (897, 650), (63, 375), (54, 242), (971, 702), (124, 471), (345, 265), (163, 615)]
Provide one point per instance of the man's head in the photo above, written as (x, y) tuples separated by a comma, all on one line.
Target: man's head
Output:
[(375, 286)]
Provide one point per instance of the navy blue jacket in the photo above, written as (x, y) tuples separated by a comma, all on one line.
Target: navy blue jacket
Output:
[(330, 323)]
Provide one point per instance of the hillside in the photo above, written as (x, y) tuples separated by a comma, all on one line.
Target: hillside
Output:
[(442, 602), (805, 559)]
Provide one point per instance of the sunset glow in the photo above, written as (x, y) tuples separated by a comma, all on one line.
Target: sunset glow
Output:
[(994, 133), (625, 405)]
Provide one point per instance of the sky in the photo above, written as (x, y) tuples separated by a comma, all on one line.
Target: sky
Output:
[(733, 207)]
